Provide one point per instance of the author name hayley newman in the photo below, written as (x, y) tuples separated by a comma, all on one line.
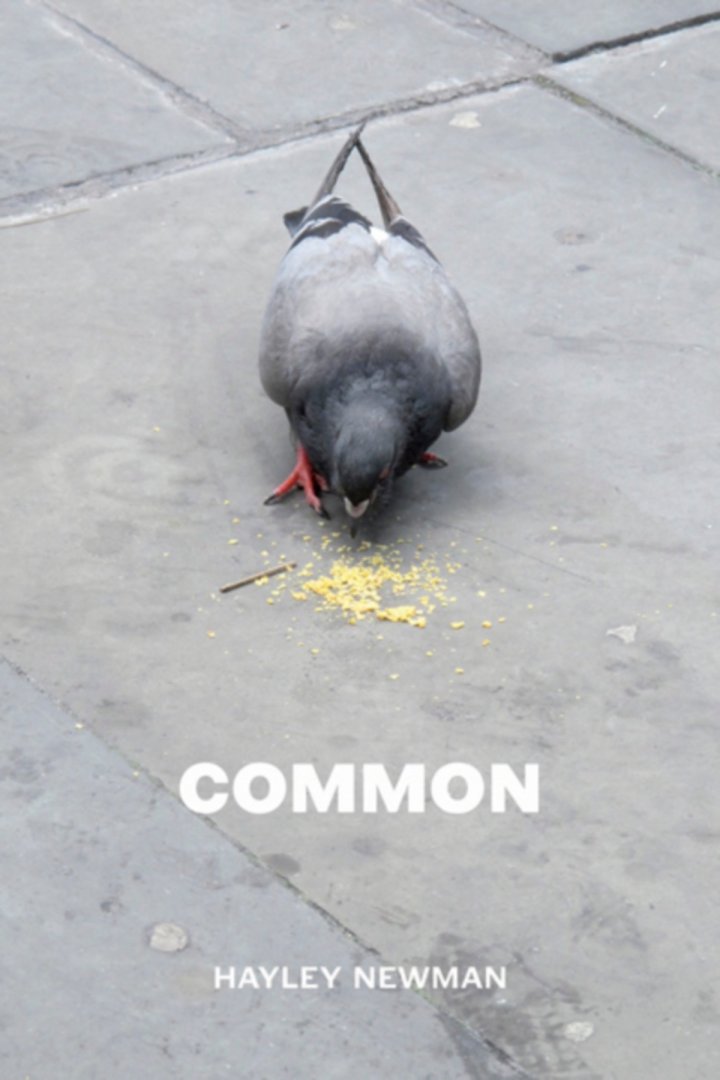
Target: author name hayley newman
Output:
[(377, 977)]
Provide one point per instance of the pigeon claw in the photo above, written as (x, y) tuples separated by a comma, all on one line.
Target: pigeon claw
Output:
[(303, 476), (431, 461)]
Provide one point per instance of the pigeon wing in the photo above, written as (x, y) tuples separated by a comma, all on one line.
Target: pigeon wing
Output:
[(329, 263), (435, 311)]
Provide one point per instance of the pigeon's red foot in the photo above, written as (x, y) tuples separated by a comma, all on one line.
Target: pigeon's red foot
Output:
[(303, 476), (431, 461)]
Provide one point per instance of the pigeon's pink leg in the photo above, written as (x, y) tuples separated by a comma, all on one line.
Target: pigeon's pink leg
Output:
[(303, 477), (431, 461)]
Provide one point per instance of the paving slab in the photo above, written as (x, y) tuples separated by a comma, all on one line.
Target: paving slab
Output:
[(94, 859), (579, 500), (563, 26), (68, 114), (328, 55), (664, 86)]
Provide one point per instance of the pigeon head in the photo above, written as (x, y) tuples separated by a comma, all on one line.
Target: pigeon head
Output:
[(369, 440)]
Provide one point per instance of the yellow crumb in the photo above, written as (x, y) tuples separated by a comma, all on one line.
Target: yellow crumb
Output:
[(211, 633), (459, 670), (487, 624), (486, 641), (407, 613), (457, 625), (233, 541)]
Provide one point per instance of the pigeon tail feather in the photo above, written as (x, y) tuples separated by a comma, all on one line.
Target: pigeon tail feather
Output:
[(295, 218), (388, 207)]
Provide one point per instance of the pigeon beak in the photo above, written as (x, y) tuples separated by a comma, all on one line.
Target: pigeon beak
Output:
[(356, 510)]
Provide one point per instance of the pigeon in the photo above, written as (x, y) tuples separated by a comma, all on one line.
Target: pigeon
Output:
[(366, 345)]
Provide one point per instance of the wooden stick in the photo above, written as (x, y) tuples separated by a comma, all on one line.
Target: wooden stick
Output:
[(256, 577)]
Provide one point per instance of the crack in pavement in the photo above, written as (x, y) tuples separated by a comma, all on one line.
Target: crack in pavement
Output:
[(632, 39), (45, 204), (546, 82), (191, 106), (454, 14)]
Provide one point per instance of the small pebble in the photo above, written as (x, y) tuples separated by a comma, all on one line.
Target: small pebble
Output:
[(578, 1030), (168, 937)]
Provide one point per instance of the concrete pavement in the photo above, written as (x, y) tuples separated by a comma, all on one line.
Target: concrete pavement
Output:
[(153, 149)]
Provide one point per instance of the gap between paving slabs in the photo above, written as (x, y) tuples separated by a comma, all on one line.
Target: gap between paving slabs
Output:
[(238, 140), (56, 727), (633, 39), (545, 82), (469, 1039), (39, 205)]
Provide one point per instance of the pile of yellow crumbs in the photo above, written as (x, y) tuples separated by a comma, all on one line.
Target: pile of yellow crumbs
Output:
[(377, 587), (376, 584)]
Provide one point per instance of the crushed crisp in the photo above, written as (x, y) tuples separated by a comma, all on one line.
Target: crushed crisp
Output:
[(376, 581), (368, 586)]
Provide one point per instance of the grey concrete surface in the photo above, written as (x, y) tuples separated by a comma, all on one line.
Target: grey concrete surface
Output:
[(93, 858), (67, 114), (669, 87), (564, 26), (137, 449), (326, 58)]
